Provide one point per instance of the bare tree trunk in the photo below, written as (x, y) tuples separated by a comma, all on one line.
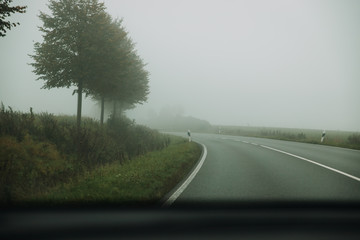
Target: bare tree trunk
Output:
[(102, 110), (114, 111), (78, 120), (79, 101)]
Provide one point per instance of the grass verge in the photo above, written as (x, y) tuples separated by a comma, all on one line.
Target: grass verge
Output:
[(41, 151), (334, 138), (142, 181)]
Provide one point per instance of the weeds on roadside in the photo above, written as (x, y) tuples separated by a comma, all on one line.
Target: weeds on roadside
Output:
[(38, 151)]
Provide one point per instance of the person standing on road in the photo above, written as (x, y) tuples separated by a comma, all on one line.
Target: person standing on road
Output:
[(189, 135)]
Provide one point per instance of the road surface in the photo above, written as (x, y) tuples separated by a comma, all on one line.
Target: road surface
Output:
[(247, 169)]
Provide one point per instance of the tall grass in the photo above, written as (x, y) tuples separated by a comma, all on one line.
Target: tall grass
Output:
[(39, 151), (143, 180)]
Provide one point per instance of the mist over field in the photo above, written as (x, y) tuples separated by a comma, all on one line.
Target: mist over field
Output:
[(264, 63)]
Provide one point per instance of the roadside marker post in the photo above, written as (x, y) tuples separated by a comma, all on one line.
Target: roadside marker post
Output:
[(323, 136)]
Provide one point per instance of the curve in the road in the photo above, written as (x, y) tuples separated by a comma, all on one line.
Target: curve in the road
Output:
[(244, 172), (183, 186)]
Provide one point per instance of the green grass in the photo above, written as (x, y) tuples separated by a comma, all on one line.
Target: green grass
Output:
[(143, 180), (41, 151)]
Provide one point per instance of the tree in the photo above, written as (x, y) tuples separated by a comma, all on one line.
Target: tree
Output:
[(6, 11), (66, 56), (84, 47), (133, 89), (138, 79), (112, 59), (121, 77)]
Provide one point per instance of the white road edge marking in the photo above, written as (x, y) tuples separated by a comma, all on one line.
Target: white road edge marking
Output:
[(316, 163), (183, 186), (254, 144)]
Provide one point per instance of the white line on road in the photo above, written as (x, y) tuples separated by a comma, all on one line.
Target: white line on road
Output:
[(255, 144), (245, 142), (319, 164), (183, 186)]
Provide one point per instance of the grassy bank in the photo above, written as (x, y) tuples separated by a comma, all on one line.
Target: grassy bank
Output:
[(41, 151), (143, 180), (332, 138)]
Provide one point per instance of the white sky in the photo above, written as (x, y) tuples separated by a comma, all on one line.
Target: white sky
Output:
[(276, 63)]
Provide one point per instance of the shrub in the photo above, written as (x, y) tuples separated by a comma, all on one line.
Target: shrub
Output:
[(354, 139), (15, 123), (28, 166), (39, 151), (136, 139)]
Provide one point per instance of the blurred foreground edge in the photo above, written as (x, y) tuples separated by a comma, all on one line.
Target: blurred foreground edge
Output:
[(254, 220)]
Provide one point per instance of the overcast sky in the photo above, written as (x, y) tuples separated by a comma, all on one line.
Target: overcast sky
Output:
[(260, 63)]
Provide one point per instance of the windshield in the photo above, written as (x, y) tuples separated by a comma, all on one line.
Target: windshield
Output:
[(168, 102)]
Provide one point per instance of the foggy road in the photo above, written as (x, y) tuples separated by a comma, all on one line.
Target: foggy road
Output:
[(246, 169)]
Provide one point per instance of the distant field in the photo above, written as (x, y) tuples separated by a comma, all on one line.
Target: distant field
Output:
[(332, 138)]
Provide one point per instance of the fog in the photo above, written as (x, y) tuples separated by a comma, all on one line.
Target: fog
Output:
[(249, 63)]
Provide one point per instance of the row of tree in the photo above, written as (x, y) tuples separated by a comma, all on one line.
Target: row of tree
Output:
[(84, 46)]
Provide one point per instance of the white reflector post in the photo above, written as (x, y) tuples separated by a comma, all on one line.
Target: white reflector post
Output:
[(323, 136)]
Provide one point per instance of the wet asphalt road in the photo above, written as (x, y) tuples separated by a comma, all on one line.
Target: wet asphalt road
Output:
[(247, 169)]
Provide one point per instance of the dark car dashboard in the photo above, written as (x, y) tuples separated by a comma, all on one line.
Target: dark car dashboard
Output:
[(281, 220)]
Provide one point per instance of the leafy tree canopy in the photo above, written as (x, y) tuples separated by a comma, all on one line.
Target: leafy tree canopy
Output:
[(64, 57), (5, 11), (84, 47)]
